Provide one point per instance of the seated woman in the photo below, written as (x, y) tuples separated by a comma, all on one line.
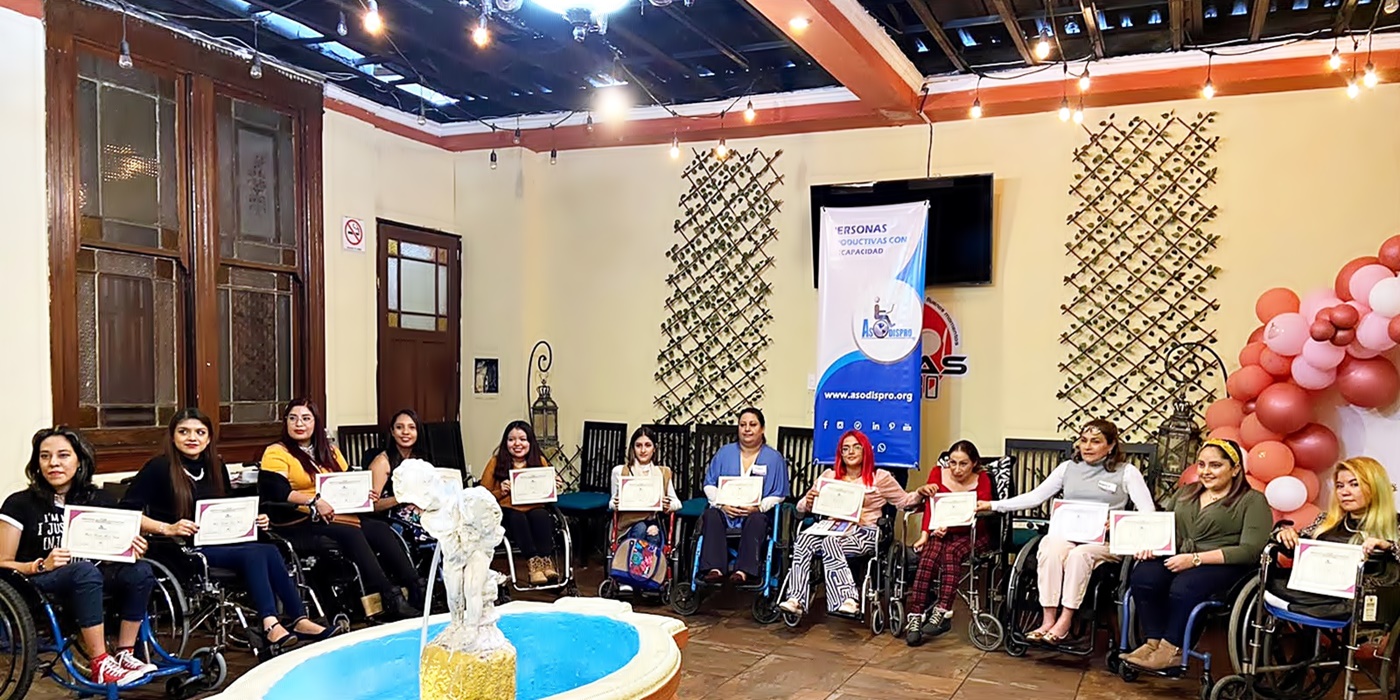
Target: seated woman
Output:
[(1362, 512), (643, 525), (1097, 472), (856, 465), (167, 488), (370, 543), (405, 429), (528, 527), (943, 552), (751, 456), (1222, 526), (60, 469)]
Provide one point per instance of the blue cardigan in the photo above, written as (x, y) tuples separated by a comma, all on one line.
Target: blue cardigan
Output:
[(769, 464)]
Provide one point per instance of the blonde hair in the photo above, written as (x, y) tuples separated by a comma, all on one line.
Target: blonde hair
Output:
[(1379, 520)]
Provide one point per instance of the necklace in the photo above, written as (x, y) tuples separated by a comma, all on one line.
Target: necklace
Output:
[(1346, 523)]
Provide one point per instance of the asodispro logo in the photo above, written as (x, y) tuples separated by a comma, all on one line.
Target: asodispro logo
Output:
[(886, 325)]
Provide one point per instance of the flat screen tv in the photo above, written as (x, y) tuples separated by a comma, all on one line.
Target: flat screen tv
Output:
[(959, 240)]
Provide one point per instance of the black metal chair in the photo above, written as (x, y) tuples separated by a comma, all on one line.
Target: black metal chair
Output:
[(446, 449), (704, 443), (795, 445), (604, 447), (360, 443)]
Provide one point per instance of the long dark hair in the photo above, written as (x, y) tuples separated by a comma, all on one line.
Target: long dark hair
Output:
[(1110, 433), (504, 460), (1234, 455), (322, 456), (81, 486), (209, 458), (632, 446), (419, 450), (757, 414)]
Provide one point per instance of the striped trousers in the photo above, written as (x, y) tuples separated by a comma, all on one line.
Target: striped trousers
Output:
[(840, 585)]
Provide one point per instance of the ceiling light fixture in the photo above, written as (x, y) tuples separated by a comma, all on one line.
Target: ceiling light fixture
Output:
[(1335, 61), (1064, 110), (1208, 90), (373, 22), (481, 35), (340, 27), (675, 147), (798, 24), (1042, 47), (1084, 80), (1370, 78), (493, 159), (749, 112), (1353, 90), (612, 103), (124, 59), (721, 150), (585, 15)]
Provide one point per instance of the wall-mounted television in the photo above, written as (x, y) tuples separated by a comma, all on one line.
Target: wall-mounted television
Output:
[(959, 240)]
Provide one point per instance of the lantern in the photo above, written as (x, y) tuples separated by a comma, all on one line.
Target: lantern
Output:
[(1178, 440), (544, 418)]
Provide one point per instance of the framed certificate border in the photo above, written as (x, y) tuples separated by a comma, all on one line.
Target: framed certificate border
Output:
[(1117, 548), (364, 506), (551, 497), (649, 504), (131, 526), (846, 514), (201, 539)]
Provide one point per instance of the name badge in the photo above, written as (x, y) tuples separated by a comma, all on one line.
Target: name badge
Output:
[(758, 470), (1108, 486)]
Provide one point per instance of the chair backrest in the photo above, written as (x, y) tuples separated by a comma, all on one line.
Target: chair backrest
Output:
[(445, 447), (795, 445), (673, 450), (704, 443), (1144, 457), (604, 447), (357, 441)]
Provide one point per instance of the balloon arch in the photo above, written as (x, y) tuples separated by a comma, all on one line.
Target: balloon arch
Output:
[(1329, 339)]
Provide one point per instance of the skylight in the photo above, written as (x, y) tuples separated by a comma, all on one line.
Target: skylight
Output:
[(428, 95)]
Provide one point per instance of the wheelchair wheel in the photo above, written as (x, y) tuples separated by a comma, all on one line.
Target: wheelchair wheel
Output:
[(985, 632), (18, 644), (897, 617), (607, 589), (1287, 645), (1230, 688), (790, 619), (765, 609), (168, 612), (685, 601), (665, 593)]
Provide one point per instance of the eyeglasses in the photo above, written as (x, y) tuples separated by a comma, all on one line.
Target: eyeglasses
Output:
[(301, 419), (851, 448)]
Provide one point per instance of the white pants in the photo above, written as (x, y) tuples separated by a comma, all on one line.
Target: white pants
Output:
[(1064, 569)]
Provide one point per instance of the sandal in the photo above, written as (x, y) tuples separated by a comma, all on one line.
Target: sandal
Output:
[(1052, 639), (1035, 637)]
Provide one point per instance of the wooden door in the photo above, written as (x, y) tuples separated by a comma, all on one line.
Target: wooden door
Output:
[(420, 344)]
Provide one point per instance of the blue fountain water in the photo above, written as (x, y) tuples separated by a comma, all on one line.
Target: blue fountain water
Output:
[(555, 651)]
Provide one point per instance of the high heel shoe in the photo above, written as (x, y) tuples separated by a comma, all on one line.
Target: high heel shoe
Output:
[(286, 642)]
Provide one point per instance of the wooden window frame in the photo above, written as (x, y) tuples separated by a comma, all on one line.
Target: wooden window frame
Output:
[(200, 74)]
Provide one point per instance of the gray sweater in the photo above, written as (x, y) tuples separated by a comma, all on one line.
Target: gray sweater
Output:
[(1078, 481)]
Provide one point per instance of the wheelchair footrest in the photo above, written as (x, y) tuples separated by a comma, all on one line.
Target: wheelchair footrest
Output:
[(856, 617)]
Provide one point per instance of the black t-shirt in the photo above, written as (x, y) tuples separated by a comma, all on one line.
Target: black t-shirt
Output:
[(151, 491), (39, 519)]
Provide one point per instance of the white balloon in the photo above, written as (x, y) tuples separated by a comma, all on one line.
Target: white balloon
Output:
[(1286, 493), (1385, 297)]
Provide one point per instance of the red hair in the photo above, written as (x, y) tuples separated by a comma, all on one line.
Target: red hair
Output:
[(867, 467)]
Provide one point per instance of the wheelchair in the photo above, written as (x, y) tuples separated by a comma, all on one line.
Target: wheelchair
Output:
[(1022, 612), (40, 643), (612, 588), (1280, 654), (1129, 637), (871, 573), (563, 560), (687, 592)]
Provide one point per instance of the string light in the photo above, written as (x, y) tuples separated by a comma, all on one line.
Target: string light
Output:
[(1335, 61), (1064, 110), (1084, 79), (798, 24), (1078, 115), (340, 27), (1208, 90), (1371, 78), (675, 147), (1042, 47), (749, 112), (553, 156), (1391, 6), (255, 72), (721, 150), (124, 60), (976, 111), (589, 124), (493, 159), (373, 22), (481, 36), (1353, 90), (515, 137)]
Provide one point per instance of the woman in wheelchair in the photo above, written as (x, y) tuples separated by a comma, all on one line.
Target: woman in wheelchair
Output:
[(856, 465), (529, 527), (643, 525), (943, 552), (167, 488), (405, 429), (1222, 525), (370, 543), (1096, 472), (750, 456), (60, 469)]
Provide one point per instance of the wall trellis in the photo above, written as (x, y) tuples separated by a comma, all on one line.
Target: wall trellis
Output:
[(1140, 277), (711, 363)]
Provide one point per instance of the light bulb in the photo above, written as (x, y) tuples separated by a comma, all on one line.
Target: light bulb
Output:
[(1084, 81), (1064, 110), (612, 103), (515, 137), (749, 112), (255, 71), (124, 60), (340, 27), (481, 36), (675, 147), (373, 22), (1042, 48), (553, 156), (722, 150), (493, 159), (422, 119), (1335, 62), (1371, 78), (976, 111), (1208, 90), (1391, 6), (798, 24), (589, 124), (1352, 88), (1078, 115)]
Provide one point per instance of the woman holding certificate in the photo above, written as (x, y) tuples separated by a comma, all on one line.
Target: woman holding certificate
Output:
[(189, 476), (744, 482), (405, 431), (528, 526), (856, 466), (1222, 525), (1097, 474), (651, 482), (34, 543), (322, 486)]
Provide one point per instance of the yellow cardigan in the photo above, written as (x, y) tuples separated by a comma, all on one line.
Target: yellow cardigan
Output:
[(277, 459)]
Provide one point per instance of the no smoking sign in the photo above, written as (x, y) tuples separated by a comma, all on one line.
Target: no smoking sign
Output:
[(352, 234)]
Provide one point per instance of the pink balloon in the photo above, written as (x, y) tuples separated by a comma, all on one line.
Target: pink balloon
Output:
[(1373, 333), (1361, 309), (1284, 408), (1364, 279), (1286, 333), (1317, 300), (1322, 355), (1368, 383), (1361, 352), (1310, 377), (1304, 516)]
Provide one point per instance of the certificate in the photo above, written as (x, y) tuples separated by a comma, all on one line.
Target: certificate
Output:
[(533, 485), (838, 499), (637, 493), (347, 492), (451, 476), (1326, 568), (226, 521), (742, 491), (831, 528), (953, 509), (1079, 521), (1130, 532), (105, 534)]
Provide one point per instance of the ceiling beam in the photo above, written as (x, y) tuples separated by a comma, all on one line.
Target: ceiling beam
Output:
[(681, 70), (1344, 15), (1091, 23), (1007, 13), (1257, 16), (940, 37), (1176, 16), (1195, 18), (708, 38)]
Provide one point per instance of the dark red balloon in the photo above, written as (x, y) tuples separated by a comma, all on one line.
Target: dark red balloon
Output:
[(1345, 317), (1394, 329), (1389, 254), (1257, 336), (1275, 364), (1284, 408), (1342, 286), (1344, 338), (1315, 447), (1322, 331), (1369, 383), (1247, 382)]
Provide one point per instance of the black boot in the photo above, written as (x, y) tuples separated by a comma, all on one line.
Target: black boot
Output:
[(396, 607)]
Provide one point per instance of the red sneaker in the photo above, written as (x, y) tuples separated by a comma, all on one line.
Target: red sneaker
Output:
[(106, 669)]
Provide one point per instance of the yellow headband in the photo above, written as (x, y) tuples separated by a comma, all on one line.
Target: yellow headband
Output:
[(1229, 450)]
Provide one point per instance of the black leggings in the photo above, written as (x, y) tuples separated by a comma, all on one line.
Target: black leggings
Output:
[(530, 530), (373, 546)]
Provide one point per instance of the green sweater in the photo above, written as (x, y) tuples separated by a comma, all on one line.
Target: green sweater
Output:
[(1239, 531)]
